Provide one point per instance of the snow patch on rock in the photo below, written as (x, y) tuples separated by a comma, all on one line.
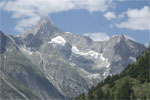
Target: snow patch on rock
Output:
[(68, 32), (103, 58), (58, 40), (106, 72), (28, 50), (133, 59), (90, 53), (99, 57), (88, 74), (96, 75)]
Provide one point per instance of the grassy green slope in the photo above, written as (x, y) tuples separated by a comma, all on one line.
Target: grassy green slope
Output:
[(133, 83)]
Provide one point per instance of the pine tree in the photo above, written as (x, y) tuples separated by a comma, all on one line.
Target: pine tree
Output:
[(90, 93), (100, 93), (107, 95), (118, 94), (125, 90), (144, 97), (133, 96)]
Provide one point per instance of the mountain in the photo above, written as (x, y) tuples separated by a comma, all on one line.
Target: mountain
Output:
[(70, 62), (133, 83), (20, 79)]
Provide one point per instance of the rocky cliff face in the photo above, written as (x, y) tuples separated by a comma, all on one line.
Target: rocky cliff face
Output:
[(20, 79), (71, 63)]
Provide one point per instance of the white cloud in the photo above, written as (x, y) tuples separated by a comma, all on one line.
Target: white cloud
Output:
[(23, 24), (2, 4), (122, 15), (137, 19), (110, 15), (27, 10), (93, 5), (98, 36)]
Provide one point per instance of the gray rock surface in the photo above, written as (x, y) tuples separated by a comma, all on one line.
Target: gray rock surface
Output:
[(70, 63), (20, 79)]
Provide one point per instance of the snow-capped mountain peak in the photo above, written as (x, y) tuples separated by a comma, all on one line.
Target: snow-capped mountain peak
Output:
[(60, 54)]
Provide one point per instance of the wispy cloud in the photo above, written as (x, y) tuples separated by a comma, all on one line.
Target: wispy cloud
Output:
[(110, 15), (137, 19), (98, 36), (2, 4), (24, 24), (26, 10)]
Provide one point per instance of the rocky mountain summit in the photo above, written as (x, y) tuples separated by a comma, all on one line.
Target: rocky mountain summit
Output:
[(51, 63)]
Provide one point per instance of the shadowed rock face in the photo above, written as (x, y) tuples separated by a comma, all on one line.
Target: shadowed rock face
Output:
[(3, 42), (60, 63), (32, 41), (21, 79)]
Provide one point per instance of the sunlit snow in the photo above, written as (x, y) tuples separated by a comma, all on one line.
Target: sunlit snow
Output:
[(106, 72), (28, 50), (58, 40), (90, 53), (94, 75), (68, 32), (133, 59)]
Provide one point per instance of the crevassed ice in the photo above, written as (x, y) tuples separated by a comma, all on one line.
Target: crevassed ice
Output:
[(58, 40)]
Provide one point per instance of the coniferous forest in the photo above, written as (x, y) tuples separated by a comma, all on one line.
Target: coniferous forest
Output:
[(131, 84)]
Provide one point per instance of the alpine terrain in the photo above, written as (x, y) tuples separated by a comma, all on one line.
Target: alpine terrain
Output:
[(47, 63), (131, 84)]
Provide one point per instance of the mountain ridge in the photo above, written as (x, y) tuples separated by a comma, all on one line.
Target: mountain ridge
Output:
[(132, 83), (21, 75), (73, 63)]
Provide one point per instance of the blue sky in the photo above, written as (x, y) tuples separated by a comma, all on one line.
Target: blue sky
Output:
[(98, 19)]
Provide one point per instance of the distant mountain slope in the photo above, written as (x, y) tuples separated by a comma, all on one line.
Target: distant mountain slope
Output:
[(20, 79), (133, 83), (70, 62)]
